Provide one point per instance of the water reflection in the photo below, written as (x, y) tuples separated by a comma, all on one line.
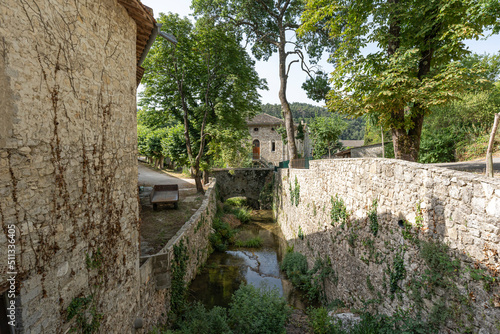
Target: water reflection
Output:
[(225, 272)]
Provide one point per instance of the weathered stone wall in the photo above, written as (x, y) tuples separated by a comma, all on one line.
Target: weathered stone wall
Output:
[(68, 165), (399, 258), (246, 182), (268, 134), (156, 272)]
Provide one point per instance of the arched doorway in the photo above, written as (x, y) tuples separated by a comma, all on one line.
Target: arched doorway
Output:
[(256, 150)]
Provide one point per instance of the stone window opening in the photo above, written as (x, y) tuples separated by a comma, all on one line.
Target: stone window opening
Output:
[(273, 146), (255, 129), (272, 129)]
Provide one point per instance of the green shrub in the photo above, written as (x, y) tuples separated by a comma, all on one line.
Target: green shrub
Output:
[(199, 320), (438, 145), (321, 323), (372, 215), (441, 268), (243, 214), (295, 267), (338, 213), (223, 235), (252, 243), (311, 281), (255, 310), (236, 201)]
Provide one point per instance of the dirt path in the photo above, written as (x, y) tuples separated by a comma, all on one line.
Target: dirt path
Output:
[(157, 227), (149, 177)]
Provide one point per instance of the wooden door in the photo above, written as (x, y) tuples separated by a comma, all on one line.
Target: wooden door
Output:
[(256, 150)]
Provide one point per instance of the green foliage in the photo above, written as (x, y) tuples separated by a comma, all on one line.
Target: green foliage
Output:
[(397, 272), (207, 82), (417, 65), (441, 267), (223, 235), (295, 266), (338, 213), (325, 133), (372, 216), (307, 112), (178, 285), (243, 214), (173, 145), (251, 311), (236, 206), (251, 243), (84, 310), (480, 274), (300, 233), (320, 322), (295, 193), (311, 281), (95, 260), (197, 319), (236, 201), (255, 310), (400, 322)]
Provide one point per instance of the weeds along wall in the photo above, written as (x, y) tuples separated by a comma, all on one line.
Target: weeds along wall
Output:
[(399, 236), (166, 275), (68, 169)]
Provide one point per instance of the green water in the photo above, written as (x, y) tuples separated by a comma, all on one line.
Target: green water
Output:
[(225, 272)]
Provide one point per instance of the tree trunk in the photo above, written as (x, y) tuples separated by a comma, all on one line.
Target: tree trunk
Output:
[(285, 106), (489, 151), (407, 143), (197, 180)]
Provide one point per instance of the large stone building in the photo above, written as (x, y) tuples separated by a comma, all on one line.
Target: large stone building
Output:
[(68, 171), (267, 144)]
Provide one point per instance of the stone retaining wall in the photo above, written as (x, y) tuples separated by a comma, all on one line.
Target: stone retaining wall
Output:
[(399, 258), (156, 272)]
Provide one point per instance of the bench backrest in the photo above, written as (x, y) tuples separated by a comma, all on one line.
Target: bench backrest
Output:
[(166, 187)]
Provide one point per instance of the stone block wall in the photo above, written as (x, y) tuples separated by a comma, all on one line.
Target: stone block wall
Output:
[(266, 135), (428, 245), (156, 271), (68, 170), (246, 182)]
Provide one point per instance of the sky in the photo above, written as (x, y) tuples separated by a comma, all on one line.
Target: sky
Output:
[(269, 70)]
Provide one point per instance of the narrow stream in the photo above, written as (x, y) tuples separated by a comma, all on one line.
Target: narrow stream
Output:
[(225, 272)]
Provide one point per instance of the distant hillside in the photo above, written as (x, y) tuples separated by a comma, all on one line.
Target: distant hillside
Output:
[(305, 111)]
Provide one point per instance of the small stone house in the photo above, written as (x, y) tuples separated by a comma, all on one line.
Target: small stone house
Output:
[(68, 171), (267, 144)]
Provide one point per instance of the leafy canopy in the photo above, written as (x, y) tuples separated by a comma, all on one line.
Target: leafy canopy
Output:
[(207, 83), (417, 65)]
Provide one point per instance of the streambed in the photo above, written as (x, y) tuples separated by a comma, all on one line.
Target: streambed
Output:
[(224, 272)]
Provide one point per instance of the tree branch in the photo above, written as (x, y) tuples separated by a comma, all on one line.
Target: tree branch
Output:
[(290, 64), (266, 7)]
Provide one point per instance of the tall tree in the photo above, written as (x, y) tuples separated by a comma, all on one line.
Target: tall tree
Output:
[(325, 133), (207, 81), (270, 26), (416, 68)]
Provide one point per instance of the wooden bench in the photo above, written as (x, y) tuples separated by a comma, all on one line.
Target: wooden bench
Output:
[(165, 194)]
